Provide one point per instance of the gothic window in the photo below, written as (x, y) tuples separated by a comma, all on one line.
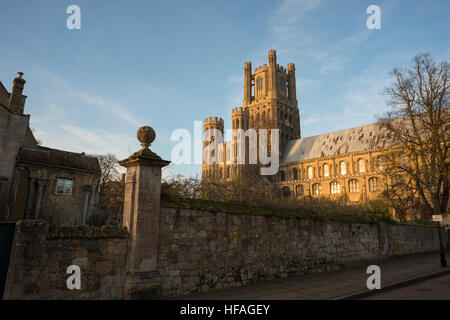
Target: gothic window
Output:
[(361, 166), (310, 173), (326, 170), (282, 176), (64, 186), (343, 168), (353, 186), (259, 84), (282, 84), (374, 184), (286, 192), (335, 187), (295, 173), (317, 189), (299, 190)]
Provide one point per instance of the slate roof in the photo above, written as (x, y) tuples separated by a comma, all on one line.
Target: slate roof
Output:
[(59, 158), (339, 142)]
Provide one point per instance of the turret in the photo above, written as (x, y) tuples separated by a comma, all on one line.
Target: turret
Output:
[(272, 73), (209, 136), (292, 94), (210, 124), (272, 57), (17, 100), (240, 118), (247, 83), (213, 123)]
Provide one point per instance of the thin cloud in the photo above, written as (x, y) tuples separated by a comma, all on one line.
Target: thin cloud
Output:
[(297, 34), (68, 90)]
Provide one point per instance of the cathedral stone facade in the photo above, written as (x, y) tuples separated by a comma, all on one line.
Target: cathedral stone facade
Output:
[(343, 164)]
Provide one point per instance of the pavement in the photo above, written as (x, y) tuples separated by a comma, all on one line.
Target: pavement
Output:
[(434, 289), (342, 284)]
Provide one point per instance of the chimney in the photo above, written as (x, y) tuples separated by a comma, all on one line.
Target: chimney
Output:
[(17, 100)]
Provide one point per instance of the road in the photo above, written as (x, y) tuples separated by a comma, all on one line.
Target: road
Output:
[(433, 289)]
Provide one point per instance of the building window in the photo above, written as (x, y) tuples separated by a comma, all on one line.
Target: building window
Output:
[(326, 170), (64, 186), (317, 189), (299, 190), (361, 166), (335, 187), (374, 184), (310, 173), (343, 168), (282, 176), (286, 192), (295, 173), (259, 84), (353, 186)]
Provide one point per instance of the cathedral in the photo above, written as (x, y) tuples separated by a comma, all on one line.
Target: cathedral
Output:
[(346, 163)]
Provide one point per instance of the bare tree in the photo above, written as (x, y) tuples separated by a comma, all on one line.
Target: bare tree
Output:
[(109, 168), (419, 120)]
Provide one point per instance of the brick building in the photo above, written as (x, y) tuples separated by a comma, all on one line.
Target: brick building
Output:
[(38, 182)]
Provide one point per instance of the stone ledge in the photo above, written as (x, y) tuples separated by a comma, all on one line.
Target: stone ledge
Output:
[(87, 232)]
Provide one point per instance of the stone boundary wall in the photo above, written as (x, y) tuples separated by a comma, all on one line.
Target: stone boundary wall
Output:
[(204, 250), (41, 254)]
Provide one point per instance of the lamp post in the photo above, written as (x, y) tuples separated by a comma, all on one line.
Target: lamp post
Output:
[(436, 212)]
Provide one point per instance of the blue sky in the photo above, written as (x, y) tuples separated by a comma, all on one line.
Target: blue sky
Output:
[(170, 63)]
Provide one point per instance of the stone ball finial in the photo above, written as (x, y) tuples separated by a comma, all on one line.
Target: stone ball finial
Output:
[(146, 135)]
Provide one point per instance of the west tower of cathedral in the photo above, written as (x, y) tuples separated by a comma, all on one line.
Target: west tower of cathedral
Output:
[(270, 102)]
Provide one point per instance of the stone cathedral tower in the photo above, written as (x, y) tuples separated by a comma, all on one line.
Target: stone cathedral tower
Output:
[(270, 102)]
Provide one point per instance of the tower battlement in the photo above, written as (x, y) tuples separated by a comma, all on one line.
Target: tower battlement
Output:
[(240, 111), (261, 68), (213, 123)]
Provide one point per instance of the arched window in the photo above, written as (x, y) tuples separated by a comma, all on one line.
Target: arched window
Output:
[(286, 192), (295, 173), (317, 189), (353, 186), (310, 173), (326, 170), (361, 166), (343, 168), (282, 176), (374, 184), (335, 187), (299, 190), (259, 84)]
